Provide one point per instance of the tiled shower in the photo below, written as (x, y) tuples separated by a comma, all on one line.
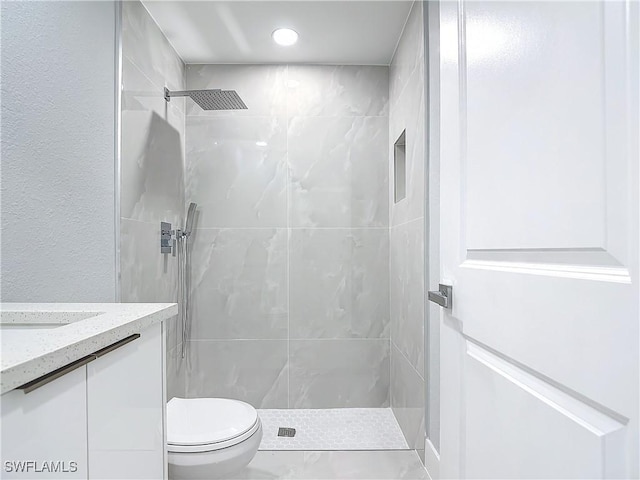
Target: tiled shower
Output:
[(307, 276), (290, 259)]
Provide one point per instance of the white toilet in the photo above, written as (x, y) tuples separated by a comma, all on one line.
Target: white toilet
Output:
[(210, 437)]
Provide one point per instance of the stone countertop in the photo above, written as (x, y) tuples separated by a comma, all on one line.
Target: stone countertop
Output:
[(37, 338)]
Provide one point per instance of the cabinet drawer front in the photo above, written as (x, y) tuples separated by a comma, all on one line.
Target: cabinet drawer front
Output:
[(44, 433), (126, 410)]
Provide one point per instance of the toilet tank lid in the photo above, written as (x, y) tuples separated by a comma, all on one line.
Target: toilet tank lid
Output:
[(198, 421)]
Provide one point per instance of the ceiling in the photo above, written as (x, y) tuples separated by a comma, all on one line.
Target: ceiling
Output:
[(349, 32)]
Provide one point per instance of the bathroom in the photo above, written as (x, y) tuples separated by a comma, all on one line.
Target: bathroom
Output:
[(349, 253)]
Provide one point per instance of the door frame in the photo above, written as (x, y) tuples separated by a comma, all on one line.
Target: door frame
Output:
[(431, 29)]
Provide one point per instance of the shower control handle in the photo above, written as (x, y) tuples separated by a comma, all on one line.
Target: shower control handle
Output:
[(165, 237)]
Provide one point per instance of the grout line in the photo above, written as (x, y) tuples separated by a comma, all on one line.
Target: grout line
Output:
[(390, 373), (406, 223), (288, 221), (117, 204), (183, 371), (290, 228), (287, 339), (142, 222), (239, 116), (280, 64), (393, 344)]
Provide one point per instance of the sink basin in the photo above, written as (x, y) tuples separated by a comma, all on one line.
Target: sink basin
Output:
[(19, 327), (30, 326), (14, 324), (42, 319)]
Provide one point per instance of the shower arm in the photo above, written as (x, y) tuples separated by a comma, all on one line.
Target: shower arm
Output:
[(180, 93), (184, 93)]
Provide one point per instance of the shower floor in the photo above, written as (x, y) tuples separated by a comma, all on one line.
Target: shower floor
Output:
[(332, 429)]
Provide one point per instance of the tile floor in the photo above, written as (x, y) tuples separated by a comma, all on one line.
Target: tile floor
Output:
[(333, 444), (353, 465), (332, 429)]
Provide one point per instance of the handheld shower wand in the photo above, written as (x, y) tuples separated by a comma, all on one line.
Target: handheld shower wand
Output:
[(184, 276), (191, 213)]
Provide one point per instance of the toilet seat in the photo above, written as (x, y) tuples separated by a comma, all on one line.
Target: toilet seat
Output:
[(208, 424)]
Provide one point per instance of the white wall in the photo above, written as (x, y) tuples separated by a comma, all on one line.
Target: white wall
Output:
[(58, 71)]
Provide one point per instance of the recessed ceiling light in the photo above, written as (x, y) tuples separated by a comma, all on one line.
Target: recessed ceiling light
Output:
[(261, 144), (285, 36)]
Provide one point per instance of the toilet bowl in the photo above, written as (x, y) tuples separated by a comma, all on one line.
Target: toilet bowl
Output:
[(210, 437)]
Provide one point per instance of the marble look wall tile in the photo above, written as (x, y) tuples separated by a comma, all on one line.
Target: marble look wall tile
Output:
[(341, 90), (141, 94), (254, 371), (407, 292), (261, 87), (152, 170), (338, 171), (406, 243), (173, 332), (407, 399), (175, 373), (146, 274), (144, 43), (236, 170), (407, 113), (324, 164), (339, 283), (339, 373), (239, 284), (151, 185), (409, 55)]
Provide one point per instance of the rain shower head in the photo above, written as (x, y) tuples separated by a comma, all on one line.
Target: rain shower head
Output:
[(210, 99)]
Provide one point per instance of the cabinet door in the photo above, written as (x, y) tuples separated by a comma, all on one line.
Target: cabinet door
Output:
[(125, 395), (44, 432)]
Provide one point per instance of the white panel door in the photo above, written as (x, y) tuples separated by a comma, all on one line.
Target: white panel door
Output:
[(126, 404), (539, 238)]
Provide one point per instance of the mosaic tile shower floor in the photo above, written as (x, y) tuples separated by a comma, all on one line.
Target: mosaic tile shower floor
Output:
[(332, 429)]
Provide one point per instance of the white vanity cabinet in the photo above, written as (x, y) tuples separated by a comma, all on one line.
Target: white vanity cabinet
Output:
[(46, 430), (125, 394), (106, 416)]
